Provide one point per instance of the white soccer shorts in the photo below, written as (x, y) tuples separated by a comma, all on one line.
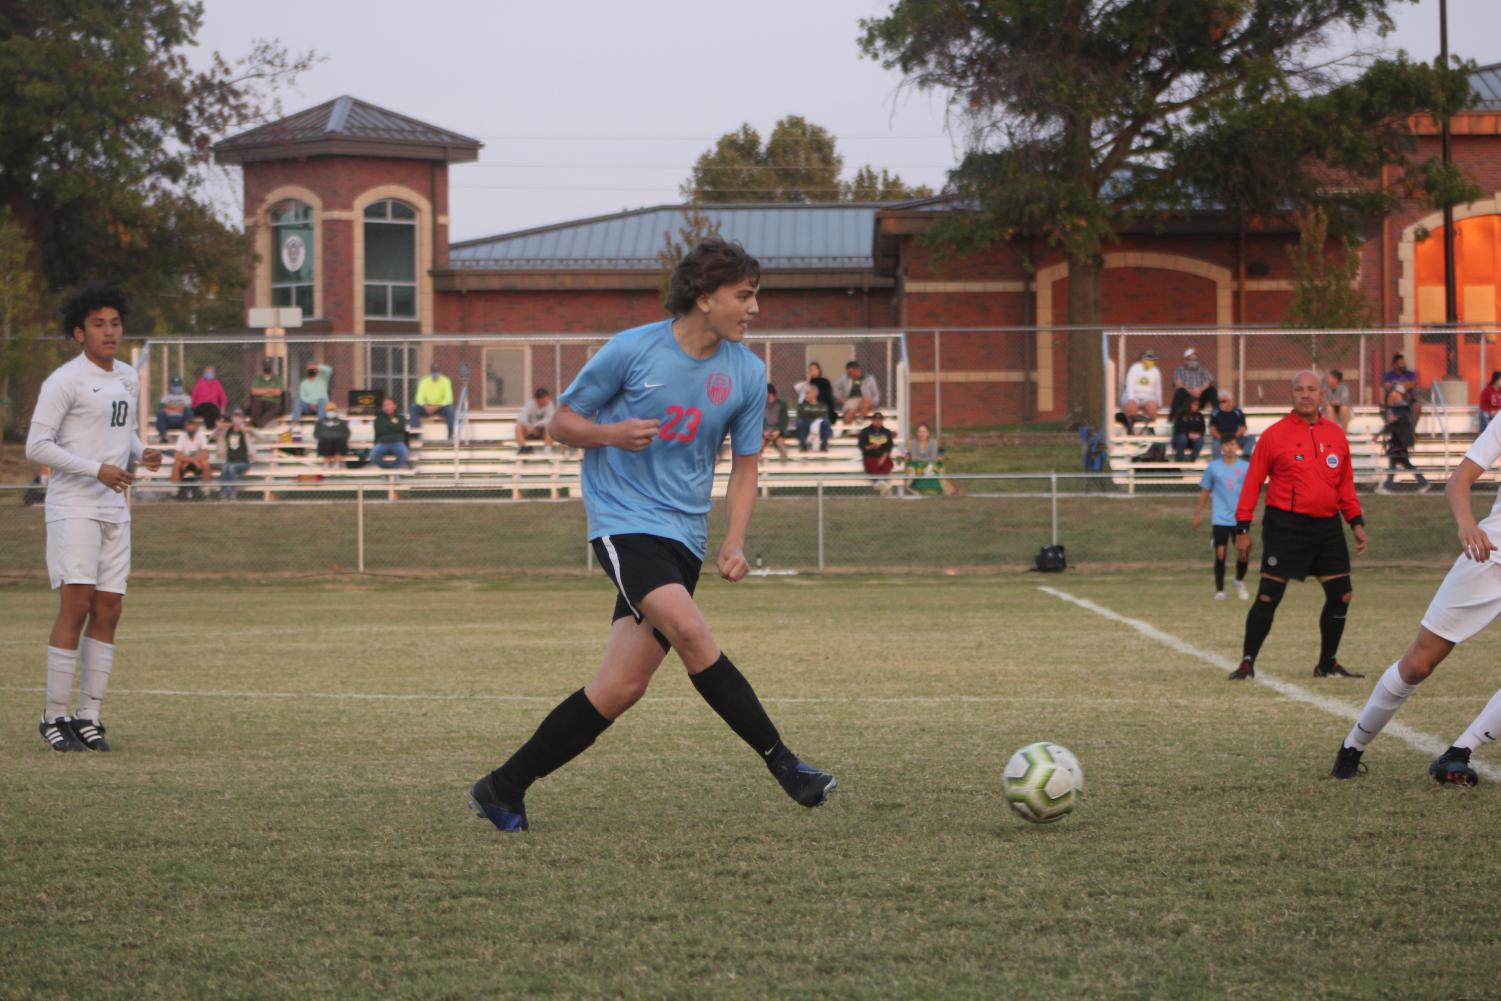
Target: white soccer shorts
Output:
[(1467, 601), (85, 551)]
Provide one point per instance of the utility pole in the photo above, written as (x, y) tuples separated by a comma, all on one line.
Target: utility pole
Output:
[(1451, 298)]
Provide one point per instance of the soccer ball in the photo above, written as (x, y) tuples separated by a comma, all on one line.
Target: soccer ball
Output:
[(1043, 782)]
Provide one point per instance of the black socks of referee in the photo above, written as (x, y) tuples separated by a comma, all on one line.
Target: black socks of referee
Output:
[(566, 733), (1332, 619), (1259, 618), (731, 696)]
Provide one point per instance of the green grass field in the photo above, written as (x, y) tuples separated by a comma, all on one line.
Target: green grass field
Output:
[(283, 815)]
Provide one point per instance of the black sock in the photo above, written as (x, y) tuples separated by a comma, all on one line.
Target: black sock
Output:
[(565, 734), (1240, 569), (731, 696), (1219, 573), (1258, 624), (1331, 628)]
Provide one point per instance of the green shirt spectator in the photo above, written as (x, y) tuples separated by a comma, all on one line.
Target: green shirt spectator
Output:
[(266, 394), (390, 426), (435, 391)]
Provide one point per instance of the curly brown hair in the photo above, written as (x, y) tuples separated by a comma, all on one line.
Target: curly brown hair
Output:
[(713, 264)]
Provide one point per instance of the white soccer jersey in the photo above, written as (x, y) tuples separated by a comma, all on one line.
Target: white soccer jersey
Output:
[(86, 417), (1484, 453)]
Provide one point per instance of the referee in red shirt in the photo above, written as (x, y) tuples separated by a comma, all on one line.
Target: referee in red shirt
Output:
[(1305, 461)]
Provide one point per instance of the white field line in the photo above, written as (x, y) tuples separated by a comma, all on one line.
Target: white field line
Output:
[(1415, 739), (553, 699)]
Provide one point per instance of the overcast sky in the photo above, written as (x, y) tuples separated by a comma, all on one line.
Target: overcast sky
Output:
[(591, 106)]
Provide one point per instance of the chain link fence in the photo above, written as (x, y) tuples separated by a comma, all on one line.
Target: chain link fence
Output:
[(840, 524)]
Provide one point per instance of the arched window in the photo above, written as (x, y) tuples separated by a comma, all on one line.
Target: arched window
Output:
[(390, 260), (292, 255)]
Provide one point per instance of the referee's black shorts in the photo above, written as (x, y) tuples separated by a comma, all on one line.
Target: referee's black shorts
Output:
[(1296, 546), (638, 564)]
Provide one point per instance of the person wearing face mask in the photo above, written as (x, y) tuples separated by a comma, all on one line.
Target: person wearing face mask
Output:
[(266, 395), (209, 399), (1142, 396), (434, 399), (1192, 380)]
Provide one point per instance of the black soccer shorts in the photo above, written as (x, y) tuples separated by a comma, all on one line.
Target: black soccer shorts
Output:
[(1295, 546), (638, 564), (1222, 535)]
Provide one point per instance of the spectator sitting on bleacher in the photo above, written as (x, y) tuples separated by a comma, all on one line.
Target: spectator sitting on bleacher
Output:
[(774, 422), (823, 386), (209, 399), (856, 393), (390, 438), (1337, 399), (1192, 379), (533, 421), (312, 392), (172, 411), (434, 399), (236, 455), (265, 395), (813, 417), (332, 434), (1490, 400), (1229, 421), (876, 442), (1188, 433), (190, 458), (1142, 394), (925, 464)]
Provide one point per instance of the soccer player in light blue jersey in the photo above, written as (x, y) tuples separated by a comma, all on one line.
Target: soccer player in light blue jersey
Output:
[(1222, 481), (651, 410)]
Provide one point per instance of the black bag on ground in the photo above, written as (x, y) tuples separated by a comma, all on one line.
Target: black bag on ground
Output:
[(1050, 559)]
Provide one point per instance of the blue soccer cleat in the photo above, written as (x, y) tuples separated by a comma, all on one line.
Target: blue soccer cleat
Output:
[(809, 786), (508, 817)]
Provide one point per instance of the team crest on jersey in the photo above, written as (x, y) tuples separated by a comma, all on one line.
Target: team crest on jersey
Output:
[(1332, 460), (719, 388)]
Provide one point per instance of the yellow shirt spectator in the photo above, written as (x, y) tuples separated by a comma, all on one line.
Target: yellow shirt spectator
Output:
[(435, 391)]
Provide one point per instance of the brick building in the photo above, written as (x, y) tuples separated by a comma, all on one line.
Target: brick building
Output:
[(347, 208)]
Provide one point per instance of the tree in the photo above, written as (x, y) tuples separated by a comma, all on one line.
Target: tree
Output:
[(1084, 115), (103, 146), (23, 347), (695, 228), (1326, 294), (799, 163)]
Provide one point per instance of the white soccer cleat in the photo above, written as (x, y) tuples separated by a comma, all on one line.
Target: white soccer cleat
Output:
[(1241, 592), (1219, 596)]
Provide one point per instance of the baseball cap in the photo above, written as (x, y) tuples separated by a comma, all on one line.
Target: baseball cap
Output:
[(1149, 354), (878, 414), (1189, 352)]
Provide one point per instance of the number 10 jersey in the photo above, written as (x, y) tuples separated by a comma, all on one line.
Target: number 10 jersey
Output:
[(85, 417)]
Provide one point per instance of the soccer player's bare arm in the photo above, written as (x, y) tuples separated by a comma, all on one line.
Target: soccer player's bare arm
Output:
[(740, 498), (577, 431), (1204, 496), (1472, 538)]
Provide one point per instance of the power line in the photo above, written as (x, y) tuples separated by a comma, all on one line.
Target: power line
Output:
[(710, 139), (684, 166), (833, 190)]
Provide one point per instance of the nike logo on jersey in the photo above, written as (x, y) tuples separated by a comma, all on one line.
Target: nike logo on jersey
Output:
[(653, 385), (97, 388)]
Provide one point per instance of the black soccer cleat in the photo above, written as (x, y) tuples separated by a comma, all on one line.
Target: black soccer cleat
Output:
[(1334, 670), (1244, 671), (1347, 764), (809, 786), (59, 735), (1452, 768), (89, 733), (506, 816)]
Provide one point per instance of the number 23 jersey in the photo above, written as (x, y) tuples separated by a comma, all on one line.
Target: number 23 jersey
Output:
[(91, 416), (664, 489)]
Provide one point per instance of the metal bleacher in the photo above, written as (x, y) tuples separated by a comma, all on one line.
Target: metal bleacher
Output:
[(284, 461), (1443, 435)]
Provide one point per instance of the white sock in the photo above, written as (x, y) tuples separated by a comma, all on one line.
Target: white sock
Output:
[(1486, 728), (60, 667), (1386, 698), (97, 660)]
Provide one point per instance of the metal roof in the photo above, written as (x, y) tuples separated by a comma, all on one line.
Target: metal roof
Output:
[(1486, 83), (333, 125), (779, 235)]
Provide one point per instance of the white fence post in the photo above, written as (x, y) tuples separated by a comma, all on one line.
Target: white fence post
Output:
[(937, 394), (359, 529), (820, 523), (1053, 491)]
